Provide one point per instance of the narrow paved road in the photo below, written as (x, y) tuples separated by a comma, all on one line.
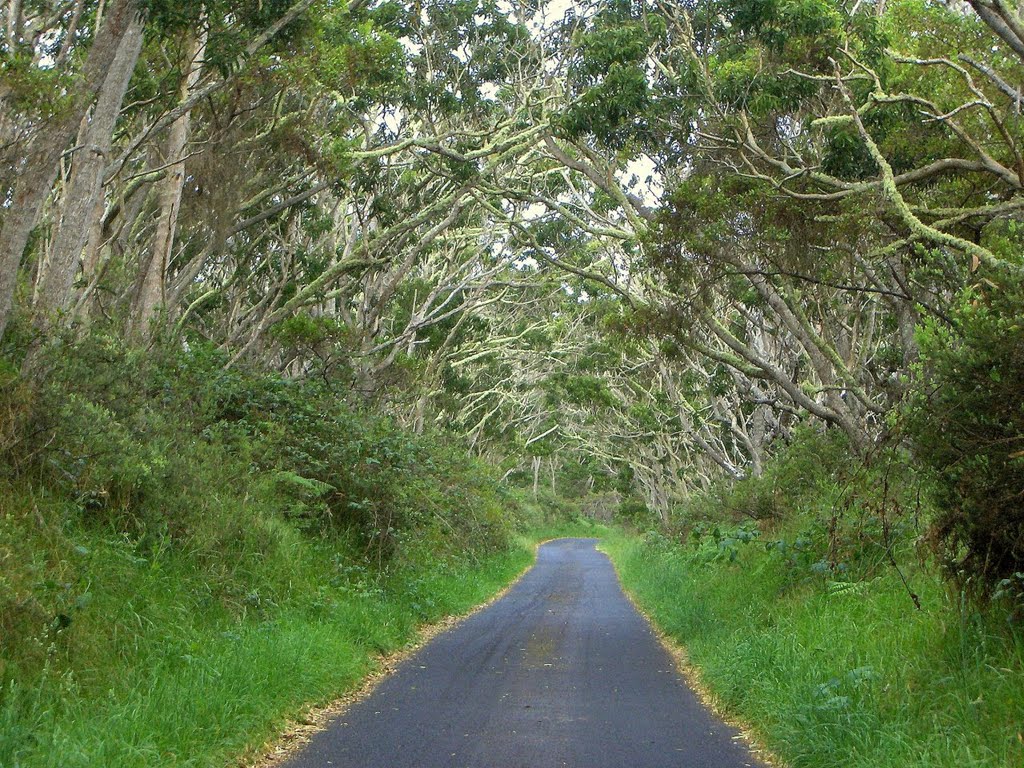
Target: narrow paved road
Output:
[(562, 671)]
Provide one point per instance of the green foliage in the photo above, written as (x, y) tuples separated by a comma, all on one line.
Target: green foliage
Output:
[(636, 513), (175, 659), (31, 89), (323, 341), (466, 44), (229, 24), (759, 46), (127, 438), (829, 671), (967, 424), (614, 98), (363, 61), (763, 579), (580, 389), (846, 155), (190, 552), (821, 514), (798, 477)]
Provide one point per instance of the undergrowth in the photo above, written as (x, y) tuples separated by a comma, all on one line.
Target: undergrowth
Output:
[(191, 554)]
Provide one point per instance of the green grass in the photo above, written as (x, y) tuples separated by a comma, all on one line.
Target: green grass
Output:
[(835, 674), (159, 670), (191, 553)]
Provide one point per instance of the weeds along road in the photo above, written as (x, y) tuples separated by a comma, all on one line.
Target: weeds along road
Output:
[(562, 671)]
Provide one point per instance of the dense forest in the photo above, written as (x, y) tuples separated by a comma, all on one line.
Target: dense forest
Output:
[(312, 305)]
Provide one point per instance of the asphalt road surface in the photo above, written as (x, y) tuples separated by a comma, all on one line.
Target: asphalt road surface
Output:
[(562, 671)]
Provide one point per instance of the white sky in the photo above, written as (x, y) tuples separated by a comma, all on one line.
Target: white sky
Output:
[(641, 178)]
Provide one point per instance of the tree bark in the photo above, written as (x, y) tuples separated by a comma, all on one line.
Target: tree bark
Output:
[(13, 23), (39, 168), (151, 297), (83, 195)]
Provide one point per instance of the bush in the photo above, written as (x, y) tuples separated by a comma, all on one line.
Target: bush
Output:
[(634, 511), (823, 511), (798, 478), (151, 443), (967, 424), (142, 492)]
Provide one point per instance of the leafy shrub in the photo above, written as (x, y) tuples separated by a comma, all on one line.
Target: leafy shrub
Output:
[(141, 492), (157, 444), (635, 511), (967, 424), (794, 480), (822, 512)]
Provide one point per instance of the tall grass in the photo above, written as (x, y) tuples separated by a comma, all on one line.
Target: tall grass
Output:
[(804, 625), (190, 554), (161, 674)]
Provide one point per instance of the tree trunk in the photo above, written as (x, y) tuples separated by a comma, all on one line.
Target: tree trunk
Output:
[(13, 23), (151, 295), (39, 169), (83, 196)]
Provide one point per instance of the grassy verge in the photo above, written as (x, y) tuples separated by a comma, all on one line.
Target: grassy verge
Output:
[(835, 673), (194, 685), (191, 554)]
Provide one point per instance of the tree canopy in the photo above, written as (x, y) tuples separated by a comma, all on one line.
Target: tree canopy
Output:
[(626, 245)]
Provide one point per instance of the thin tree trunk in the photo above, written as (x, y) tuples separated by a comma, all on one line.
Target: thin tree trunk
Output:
[(151, 296), (107, 238), (13, 23), (39, 169), (69, 36), (83, 195)]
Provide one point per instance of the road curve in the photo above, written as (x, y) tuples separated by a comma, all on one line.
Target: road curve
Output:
[(562, 671)]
